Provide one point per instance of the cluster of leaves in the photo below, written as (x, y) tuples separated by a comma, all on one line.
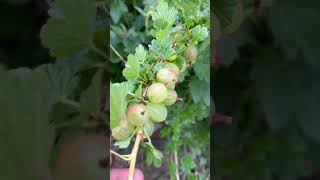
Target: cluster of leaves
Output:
[(268, 81), (55, 97), (174, 26)]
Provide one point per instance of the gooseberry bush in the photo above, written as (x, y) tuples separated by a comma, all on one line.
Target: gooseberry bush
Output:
[(265, 77), (167, 82)]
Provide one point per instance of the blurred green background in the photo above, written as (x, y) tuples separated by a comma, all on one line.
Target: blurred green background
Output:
[(267, 79)]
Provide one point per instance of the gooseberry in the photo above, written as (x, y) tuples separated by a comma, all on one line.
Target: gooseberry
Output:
[(177, 37), (191, 54), (172, 97), (166, 75), (122, 132), (173, 67), (137, 114), (157, 92), (158, 112)]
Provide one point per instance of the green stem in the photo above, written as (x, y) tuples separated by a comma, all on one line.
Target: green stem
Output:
[(117, 53), (126, 157), (148, 137)]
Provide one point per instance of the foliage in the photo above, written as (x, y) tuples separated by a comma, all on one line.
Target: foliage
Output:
[(149, 29), (47, 102), (267, 80)]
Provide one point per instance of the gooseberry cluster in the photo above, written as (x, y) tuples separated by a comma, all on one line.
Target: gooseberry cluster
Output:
[(160, 94), (151, 78)]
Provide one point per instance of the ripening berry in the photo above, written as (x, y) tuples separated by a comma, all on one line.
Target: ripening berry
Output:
[(166, 75), (137, 114), (172, 97), (122, 132), (191, 54), (157, 92), (173, 67)]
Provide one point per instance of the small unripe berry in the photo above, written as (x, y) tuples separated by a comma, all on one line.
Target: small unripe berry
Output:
[(166, 75), (172, 97), (158, 112), (123, 131), (177, 37), (191, 54), (137, 114), (157, 92)]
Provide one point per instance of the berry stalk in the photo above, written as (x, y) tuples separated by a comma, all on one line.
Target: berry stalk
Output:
[(134, 155)]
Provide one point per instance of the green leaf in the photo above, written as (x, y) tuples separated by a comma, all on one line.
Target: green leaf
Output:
[(123, 144), (199, 33), (140, 54), (163, 36), (157, 154), (164, 13), (224, 10), (286, 96), (293, 30), (149, 155), (157, 159), (153, 156), (157, 163), (160, 24), (165, 50), (63, 76), (26, 134), (69, 30), (200, 91), (187, 163), (202, 71), (132, 67), (191, 176), (117, 9), (90, 99), (118, 103), (138, 92), (202, 65)]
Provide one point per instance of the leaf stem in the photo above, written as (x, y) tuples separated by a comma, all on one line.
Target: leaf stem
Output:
[(148, 137)]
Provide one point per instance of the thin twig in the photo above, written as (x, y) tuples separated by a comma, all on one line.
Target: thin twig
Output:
[(117, 53), (127, 157), (134, 155)]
